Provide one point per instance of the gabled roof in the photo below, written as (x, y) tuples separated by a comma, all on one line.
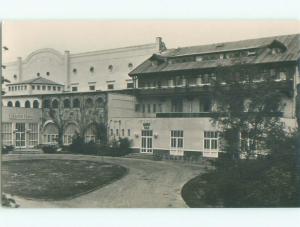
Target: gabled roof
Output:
[(38, 80), (291, 44)]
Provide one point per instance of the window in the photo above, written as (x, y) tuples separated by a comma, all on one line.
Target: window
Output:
[(50, 134), (128, 132), (91, 69), (32, 87), (35, 104), (110, 67), (92, 87), (117, 132), (177, 105), (123, 132), (58, 88), (38, 87), (43, 87), (205, 79), (76, 103), (160, 108), (149, 108), (9, 104), (46, 103), (137, 108), (130, 65), (55, 104), (89, 135), (15, 76), (38, 74), (48, 73), (54, 88), (110, 86), (143, 108), (99, 103), (74, 71), (27, 104), (49, 88), (33, 134), (210, 140), (154, 108), (129, 85), (74, 88), (247, 142), (204, 104), (25, 87), (9, 88), (6, 134), (70, 131), (89, 103), (176, 138), (111, 132), (17, 104), (67, 103)]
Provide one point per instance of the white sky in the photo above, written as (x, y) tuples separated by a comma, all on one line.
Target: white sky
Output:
[(23, 37)]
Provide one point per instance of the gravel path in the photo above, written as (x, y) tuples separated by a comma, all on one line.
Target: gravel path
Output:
[(149, 184)]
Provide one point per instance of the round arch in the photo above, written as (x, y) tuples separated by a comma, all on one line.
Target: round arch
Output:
[(17, 104), (9, 104), (27, 104)]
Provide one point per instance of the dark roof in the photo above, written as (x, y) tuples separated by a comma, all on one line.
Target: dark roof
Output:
[(290, 42), (38, 80)]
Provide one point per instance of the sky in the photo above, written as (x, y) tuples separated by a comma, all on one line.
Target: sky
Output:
[(23, 37)]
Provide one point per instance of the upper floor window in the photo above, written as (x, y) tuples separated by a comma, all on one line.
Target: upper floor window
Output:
[(110, 67), (92, 87), (177, 138), (130, 65), (177, 105), (67, 103), (38, 87), (129, 85), (205, 104), (110, 86), (74, 88), (32, 87), (43, 87), (58, 88), (54, 88), (137, 107), (48, 73), (92, 69), (48, 88), (38, 74)]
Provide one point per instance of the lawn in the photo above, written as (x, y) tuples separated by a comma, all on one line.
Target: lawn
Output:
[(56, 179)]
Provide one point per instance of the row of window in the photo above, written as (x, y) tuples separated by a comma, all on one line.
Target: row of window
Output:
[(99, 102), (208, 78), (205, 105), (149, 108), (120, 133), (34, 87), (23, 136), (110, 68), (109, 87), (27, 104)]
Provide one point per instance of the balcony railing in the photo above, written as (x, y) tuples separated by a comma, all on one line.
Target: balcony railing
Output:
[(209, 114)]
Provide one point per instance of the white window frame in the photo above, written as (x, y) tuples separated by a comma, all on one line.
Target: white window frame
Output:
[(33, 134), (7, 134), (210, 138), (177, 142)]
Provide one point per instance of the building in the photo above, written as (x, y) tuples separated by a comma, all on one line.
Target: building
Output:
[(171, 109), (162, 102)]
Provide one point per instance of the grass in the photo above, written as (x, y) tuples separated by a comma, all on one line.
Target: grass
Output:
[(56, 179)]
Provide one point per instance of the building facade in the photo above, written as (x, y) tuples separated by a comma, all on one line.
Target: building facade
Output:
[(165, 104)]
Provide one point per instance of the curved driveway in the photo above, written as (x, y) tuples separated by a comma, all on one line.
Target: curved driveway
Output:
[(148, 184)]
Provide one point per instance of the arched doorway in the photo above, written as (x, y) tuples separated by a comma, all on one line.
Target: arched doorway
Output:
[(70, 131), (50, 134)]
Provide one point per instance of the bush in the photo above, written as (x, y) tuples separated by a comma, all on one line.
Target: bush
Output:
[(50, 149), (7, 149), (115, 149)]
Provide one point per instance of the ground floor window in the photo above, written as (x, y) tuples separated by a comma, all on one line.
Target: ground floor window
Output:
[(90, 135), (176, 138), (70, 132), (247, 142), (33, 135), (147, 137), (50, 134), (7, 134), (20, 135), (210, 140)]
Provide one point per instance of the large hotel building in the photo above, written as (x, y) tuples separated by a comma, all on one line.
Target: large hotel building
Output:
[(159, 98)]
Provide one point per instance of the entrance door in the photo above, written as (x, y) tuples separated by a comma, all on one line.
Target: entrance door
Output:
[(20, 135), (147, 136)]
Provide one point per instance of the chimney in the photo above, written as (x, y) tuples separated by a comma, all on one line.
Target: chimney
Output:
[(159, 44)]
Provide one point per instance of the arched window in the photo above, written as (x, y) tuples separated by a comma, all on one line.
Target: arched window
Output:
[(69, 133), (89, 103), (90, 134), (54, 104), (36, 104), (50, 135), (17, 104), (76, 103), (9, 104), (67, 103), (46, 103), (27, 104), (99, 102)]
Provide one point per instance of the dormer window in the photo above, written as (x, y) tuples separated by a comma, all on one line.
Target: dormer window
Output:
[(48, 73), (38, 74)]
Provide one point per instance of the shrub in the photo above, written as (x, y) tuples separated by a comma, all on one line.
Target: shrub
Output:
[(50, 149), (7, 149)]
